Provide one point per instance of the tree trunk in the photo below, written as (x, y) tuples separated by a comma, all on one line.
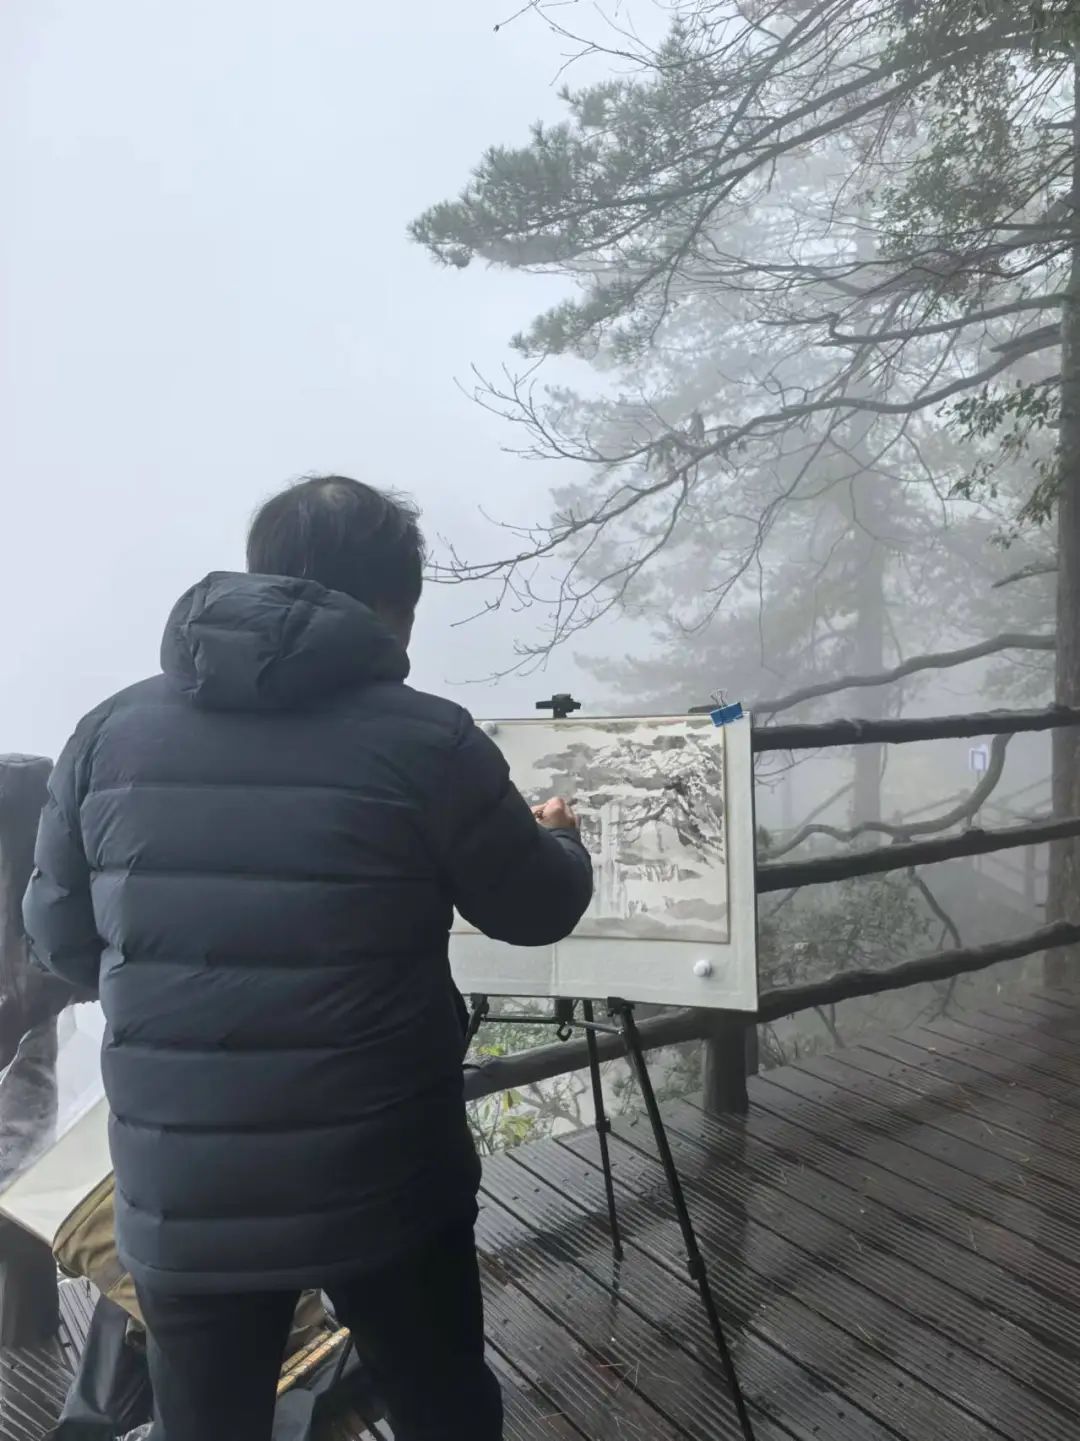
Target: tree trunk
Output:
[(870, 514), (1063, 898), (869, 659)]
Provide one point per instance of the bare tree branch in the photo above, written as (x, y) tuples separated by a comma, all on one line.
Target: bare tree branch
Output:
[(1039, 568), (943, 660), (966, 810)]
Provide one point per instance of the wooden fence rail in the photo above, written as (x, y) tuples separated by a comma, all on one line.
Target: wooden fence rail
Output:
[(901, 856), (820, 735), (727, 1035), (526, 1068)]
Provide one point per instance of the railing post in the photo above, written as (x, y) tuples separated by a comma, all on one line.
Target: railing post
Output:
[(23, 781), (28, 1296), (730, 1057)]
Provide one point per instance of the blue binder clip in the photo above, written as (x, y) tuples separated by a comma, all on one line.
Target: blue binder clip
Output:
[(724, 714)]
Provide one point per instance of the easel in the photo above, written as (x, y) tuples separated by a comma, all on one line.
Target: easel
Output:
[(564, 1019)]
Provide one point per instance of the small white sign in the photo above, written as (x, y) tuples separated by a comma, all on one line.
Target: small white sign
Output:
[(979, 759)]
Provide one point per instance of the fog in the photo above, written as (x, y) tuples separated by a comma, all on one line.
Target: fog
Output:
[(801, 474), (207, 289)]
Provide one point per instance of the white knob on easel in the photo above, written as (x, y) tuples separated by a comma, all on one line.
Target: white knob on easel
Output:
[(703, 968), (490, 728)]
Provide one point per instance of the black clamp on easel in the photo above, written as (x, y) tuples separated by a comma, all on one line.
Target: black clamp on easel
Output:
[(561, 705)]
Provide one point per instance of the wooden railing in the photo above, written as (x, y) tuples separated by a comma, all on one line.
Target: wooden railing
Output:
[(730, 1038)]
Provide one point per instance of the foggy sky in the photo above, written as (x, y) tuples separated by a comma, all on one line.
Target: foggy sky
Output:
[(206, 289)]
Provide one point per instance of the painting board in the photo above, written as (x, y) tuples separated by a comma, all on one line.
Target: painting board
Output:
[(666, 809)]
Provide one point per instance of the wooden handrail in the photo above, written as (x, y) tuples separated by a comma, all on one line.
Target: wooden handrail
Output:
[(976, 841), (526, 1068), (941, 966), (818, 736)]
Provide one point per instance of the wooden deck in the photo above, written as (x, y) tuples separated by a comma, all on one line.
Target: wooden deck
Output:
[(893, 1236)]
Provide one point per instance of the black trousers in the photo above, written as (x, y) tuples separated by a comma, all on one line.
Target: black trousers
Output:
[(418, 1324)]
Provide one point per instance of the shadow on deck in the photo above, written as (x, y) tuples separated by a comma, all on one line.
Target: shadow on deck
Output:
[(893, 1236)]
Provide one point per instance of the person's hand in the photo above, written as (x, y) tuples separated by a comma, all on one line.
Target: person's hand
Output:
[(556, 815)]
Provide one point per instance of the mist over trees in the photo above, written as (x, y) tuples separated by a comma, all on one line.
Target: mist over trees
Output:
[(824, 267)]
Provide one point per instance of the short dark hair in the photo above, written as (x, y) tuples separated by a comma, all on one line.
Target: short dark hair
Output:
[(347, 536)]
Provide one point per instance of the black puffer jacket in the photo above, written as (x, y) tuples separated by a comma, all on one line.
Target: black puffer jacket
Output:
[(254, 859)]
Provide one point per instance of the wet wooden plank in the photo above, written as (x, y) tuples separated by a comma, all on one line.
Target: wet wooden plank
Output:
[(1054, 1034), (936, 1358), (1038, 1127), (1014, 1160), (948, 1168), (893, 1235), (849, 1361), (995, 1267), (564, 1197), (579, 1384), (820, 1257), (33, 1385), (684, 1386), (529, 1415), (571, 1215), (1038, 1008), (996, 1080), (1065, 995), (77, 1302), (970, 1048), (1034, 1049)]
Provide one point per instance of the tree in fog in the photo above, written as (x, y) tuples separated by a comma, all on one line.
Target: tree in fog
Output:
[(825, 253)]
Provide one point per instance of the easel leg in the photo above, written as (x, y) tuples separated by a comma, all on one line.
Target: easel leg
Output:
[(603, 1127), (624, 1014)]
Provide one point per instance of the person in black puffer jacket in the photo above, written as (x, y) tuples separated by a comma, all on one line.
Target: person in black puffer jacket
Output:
[(254, 859)]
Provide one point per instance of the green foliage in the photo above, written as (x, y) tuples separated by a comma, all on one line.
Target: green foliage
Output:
[(511, 1118), (983, 206), (863, 923), (1013, 418), (959, 186)]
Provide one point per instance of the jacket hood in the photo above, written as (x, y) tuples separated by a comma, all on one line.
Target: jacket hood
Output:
[(270, 642)]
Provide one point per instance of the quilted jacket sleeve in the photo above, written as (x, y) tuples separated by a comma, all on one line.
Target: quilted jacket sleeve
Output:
[(57, 912), (509, 877)]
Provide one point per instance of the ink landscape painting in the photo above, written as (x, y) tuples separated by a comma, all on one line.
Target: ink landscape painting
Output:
[(651, 798)]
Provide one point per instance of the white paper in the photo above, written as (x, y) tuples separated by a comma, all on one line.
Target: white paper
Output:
[(666, 809)]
